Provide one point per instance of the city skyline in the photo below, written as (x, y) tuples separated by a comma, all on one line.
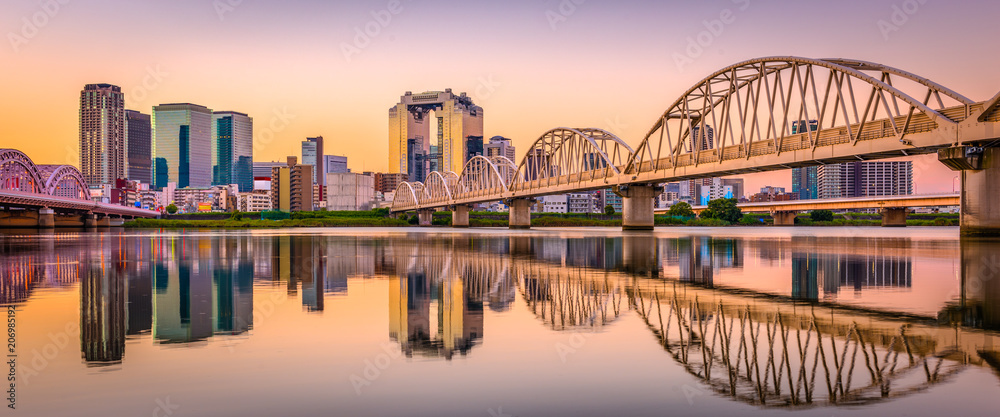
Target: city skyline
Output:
[(516, 84)]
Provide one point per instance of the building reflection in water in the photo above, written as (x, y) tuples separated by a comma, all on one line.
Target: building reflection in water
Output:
[(869, 264)]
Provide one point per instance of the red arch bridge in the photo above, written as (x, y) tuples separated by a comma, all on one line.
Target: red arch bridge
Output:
[(52, 195)]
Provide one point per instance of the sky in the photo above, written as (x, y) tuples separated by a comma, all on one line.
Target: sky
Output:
[(304, 68)]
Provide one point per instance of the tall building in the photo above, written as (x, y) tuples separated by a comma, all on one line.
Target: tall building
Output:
[(103, 146), (703, 141), (458, 135), (292, 186), (387, 183), (232, 150), (312, 154), (263, 169), (865, 179), (805, 180), (499, 146), (182, 145), (139, 137)]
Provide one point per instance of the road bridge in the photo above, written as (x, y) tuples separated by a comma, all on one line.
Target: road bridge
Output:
[(738, 120), (48, 196)]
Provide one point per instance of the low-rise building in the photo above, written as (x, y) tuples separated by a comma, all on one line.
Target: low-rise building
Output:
[(254, 201), (349, 192)]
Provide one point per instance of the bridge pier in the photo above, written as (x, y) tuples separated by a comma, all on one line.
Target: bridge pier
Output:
[(784, 218), (46, 218), (90, 220), (638, 202), (980, 167), (520, 213), (116, 221), (425, 216), (103, 221), (460, 216), (639, 254), (894, 217)]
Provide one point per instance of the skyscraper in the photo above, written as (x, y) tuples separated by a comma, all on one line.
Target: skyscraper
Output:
[(312, 154), (139, 136), (458, 135), (182, 145), (702, 141), (805, 180), (103, 146), (232, 150)]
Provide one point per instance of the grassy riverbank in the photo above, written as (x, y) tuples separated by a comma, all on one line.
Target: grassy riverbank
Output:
[(381, 218)]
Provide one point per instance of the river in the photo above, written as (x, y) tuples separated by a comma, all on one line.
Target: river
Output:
[(492, 322)]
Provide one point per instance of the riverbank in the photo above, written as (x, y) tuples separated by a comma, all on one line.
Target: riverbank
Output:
[(381, 218)]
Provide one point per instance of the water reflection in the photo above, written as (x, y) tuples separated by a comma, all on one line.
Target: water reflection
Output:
[(773, 321)]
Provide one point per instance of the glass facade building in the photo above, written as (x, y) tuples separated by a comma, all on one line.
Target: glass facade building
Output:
[(138, 135), (805, 181), (312, 154), (182, 145), (232, 150)]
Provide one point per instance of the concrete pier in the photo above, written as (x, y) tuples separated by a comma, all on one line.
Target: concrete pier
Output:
[(460, 216), (520, 213), (894, 217), (46, 218), (638, 202), (784, 218), (980, 203), (425, 216)]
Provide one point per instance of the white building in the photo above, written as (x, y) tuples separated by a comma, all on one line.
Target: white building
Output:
[(349, 192), (255, 201), (555, 203)]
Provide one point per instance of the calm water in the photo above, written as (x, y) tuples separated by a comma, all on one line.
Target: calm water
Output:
[(435, 322)]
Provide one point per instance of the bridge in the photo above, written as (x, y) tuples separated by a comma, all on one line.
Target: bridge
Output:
[(48, 196), (738, 120), (893, 208)]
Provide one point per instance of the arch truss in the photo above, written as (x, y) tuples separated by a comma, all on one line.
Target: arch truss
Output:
[(19, 173), (566, 157), (64, 181), (780, 104)]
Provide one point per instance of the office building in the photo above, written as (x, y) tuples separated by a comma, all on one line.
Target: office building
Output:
[(499, 146), (139, 137), (232, 153), (312, 154), (349, 192), (805, 180), (263, 169), (457, 128), (103, 146), (865, 179), (182, 145), (292, 187), (334, 164)]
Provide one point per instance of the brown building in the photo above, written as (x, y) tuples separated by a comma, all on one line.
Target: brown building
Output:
[(387, 183), (292, 186)]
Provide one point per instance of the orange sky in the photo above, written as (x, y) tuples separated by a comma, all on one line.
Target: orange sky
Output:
[(532, 65)]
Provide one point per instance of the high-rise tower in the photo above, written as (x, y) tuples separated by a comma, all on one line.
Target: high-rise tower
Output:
[(103, 146), (139, 136), (458, 133), (232, 150), (182, 145)]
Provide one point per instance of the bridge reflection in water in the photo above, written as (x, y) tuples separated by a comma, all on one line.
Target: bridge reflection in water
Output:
[(797, 345)]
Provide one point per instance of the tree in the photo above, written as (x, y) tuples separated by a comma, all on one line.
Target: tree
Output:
[(723, 209), (237, 216), (171, 209), (680, 209), (821, 215), (609, 210)]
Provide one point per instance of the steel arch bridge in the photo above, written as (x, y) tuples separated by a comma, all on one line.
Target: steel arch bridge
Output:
[(758, 115), (27, 185)]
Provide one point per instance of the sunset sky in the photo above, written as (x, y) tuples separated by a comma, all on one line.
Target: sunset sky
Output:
[(299, 67)]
